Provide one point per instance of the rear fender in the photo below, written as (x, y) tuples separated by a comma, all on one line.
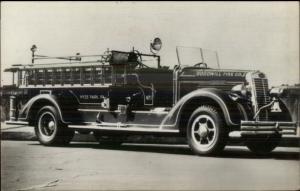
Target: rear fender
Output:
[(31, 108)]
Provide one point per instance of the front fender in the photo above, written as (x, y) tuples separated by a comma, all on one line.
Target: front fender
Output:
[(221, 99)]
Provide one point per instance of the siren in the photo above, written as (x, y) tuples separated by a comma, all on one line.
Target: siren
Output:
[(156, 45)]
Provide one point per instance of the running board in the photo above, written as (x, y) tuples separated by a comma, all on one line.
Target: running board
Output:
[(16, 122), (123, 128)]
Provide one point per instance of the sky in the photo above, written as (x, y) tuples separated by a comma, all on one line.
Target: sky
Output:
[(247, 35)]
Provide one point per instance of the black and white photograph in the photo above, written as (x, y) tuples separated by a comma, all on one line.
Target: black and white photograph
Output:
[(150, 95)]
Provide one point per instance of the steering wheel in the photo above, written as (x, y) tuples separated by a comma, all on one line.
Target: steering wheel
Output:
[(201, 65), (139, 60)]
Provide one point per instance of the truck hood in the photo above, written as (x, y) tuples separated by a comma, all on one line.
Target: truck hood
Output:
[(192, 78)]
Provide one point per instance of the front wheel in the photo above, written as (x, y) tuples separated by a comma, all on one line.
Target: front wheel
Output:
[(50, 130), (206, 133)]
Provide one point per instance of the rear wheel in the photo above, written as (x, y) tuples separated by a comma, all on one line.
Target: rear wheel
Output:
[(106, 140), (206, 133), (50, 130), (264, 144)]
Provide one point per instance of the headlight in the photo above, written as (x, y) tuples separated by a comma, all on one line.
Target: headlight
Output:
[(276, 91), (239, 89)]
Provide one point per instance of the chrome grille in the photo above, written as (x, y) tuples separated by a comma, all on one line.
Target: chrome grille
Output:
[(262, 97)]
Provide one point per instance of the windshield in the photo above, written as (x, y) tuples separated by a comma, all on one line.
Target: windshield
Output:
[(191, 56)]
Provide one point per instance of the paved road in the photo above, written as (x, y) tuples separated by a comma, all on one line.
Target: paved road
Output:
[(27, 165)]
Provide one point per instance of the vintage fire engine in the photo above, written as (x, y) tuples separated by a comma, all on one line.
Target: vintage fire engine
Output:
[(120, 94)]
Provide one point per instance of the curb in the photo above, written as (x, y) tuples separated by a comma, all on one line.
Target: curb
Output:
[(24, 133), (30, 136)]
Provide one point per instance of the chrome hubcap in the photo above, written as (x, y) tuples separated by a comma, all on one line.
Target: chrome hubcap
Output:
[(203, 130), (51, 125)]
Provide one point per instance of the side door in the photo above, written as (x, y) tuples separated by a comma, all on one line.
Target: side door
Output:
[(145, 92)]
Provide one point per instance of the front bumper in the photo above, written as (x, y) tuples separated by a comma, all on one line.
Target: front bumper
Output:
[(268, 127)]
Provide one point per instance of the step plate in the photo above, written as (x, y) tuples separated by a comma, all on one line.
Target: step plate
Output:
[(122, 127)]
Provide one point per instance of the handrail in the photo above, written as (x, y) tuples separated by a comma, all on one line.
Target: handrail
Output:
[(263, 107)]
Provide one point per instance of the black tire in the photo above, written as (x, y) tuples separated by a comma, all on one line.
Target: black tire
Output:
[(264, 144), (50, 130), (105, 140), (207, 133)]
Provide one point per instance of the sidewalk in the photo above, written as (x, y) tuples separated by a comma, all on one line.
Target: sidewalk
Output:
[(26, 133), (21, 133)]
